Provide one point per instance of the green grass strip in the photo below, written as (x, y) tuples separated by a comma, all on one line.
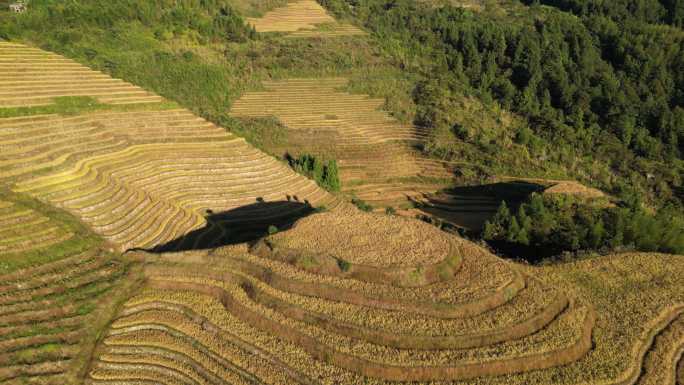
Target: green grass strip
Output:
[(75, 105)]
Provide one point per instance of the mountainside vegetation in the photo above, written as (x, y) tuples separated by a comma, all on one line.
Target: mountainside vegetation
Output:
[(601, 94), (650, 11), (546, 226)]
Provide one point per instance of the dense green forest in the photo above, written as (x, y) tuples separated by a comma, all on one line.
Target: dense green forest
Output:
[(579, 89), (648, 11), (604, 92)]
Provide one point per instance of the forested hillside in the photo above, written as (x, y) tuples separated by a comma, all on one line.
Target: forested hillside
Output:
[(602, 92), (649, 11)]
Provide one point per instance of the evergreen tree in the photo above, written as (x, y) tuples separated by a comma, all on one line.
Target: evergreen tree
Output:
[(523, 237), (597, 234), (332, 178), (492, 231), (503, 215), (513, 230), (524, 220), (318, 171)]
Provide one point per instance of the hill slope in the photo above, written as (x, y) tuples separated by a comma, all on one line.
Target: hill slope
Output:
[(293, 310), (137, 171), (374, 151)]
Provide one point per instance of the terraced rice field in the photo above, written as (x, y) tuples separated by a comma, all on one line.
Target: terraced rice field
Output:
[(233, 316), (303, 19), (396, 242), (262, 316), (373, 149), (465, 210), (50, 314), (31, 77), (660, 363), (640, 302), (140, 178), (54, 276)]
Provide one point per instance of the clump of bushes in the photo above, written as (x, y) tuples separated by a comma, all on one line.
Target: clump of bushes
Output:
[(325, 173)]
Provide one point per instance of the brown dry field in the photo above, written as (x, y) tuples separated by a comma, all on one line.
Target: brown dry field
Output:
[(611, 337), (303, 19), (374, 151), (345, 234), (368, 332)]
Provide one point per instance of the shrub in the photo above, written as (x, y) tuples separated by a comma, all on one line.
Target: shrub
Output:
[(362, 205), (272, 229), (343, 265)]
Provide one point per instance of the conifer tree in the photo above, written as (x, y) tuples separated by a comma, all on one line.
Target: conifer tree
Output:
[(523, 237), (513, 230), (597, 234), (332, 178)]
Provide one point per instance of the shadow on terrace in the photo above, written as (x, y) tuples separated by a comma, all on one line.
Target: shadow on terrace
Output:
[(469, 207), (243, 224)]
